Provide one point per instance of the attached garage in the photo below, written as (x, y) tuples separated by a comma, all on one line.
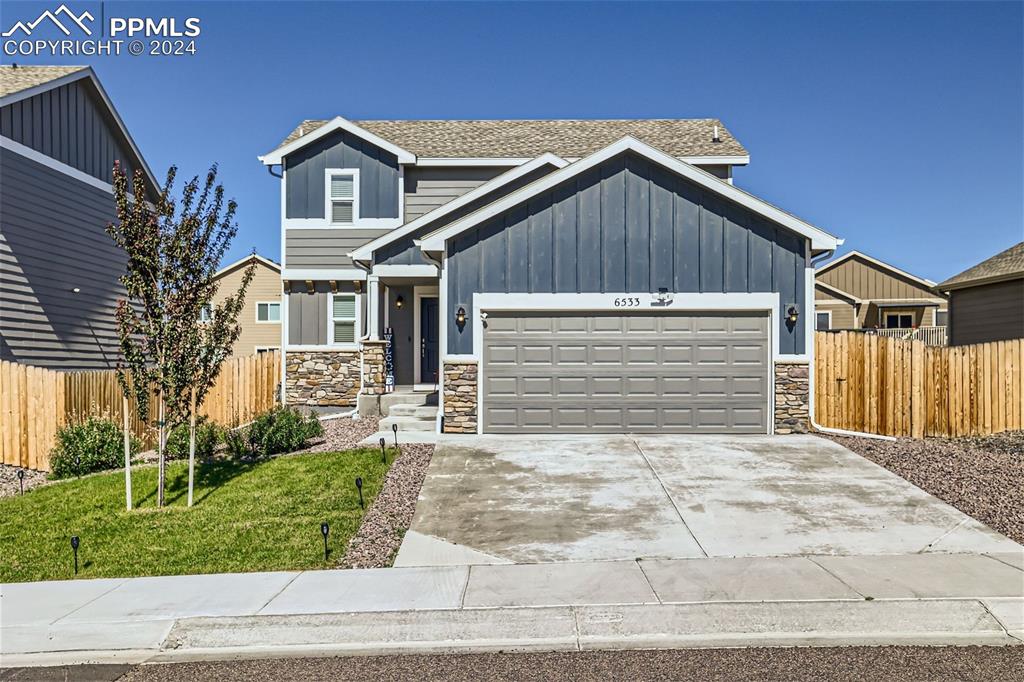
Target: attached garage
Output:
[(614, 372)]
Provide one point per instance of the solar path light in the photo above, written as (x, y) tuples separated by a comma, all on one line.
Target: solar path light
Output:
[(359, 487), (325, 530), (74, 548)]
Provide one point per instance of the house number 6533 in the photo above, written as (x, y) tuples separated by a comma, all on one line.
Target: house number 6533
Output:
[(628, 302)]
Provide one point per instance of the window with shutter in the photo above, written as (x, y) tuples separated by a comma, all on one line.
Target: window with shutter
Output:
[(343, 318), (342, 197)]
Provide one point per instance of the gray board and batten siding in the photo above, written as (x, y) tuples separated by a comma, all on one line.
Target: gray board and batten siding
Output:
[(404, 252), (628, 225), (307, 312), (614, 372), (305, 168), (54, 241), (69, 123)]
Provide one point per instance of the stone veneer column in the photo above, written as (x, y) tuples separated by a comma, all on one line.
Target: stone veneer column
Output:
[(373, 367), (322, 378), (460, 415), (792, 397)]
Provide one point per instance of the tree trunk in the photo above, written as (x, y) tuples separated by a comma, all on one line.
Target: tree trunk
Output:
[(160, 454), (191, 445), (127, 457)]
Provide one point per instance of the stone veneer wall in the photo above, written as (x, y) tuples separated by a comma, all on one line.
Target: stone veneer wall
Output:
[(373, 367), (792, 397), (460, 409), (322, 378)]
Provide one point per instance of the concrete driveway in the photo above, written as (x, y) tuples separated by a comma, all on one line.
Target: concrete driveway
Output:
[(529, 499)]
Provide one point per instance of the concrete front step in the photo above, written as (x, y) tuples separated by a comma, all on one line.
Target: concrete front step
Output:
[(418, 398), (419, 411), (407, 423)]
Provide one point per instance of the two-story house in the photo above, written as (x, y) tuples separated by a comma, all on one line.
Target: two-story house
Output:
[(59, 271), (543, 276)]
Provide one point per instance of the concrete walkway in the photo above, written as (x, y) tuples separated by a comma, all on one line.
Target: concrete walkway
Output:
[(786, 601)]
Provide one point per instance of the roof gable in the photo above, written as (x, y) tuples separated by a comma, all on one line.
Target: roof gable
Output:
[(874, 263), (1008, 264), (820, 240), (260, 260), (337, 123)]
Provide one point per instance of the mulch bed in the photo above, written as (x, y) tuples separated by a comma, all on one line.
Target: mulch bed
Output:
[(377, 541), (9, 479), (981, 476)]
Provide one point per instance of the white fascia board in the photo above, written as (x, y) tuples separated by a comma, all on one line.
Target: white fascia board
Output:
[(819, 238), (87, 72), (836, 292), (716, 160), (473, 161), (321, 275), (365, 252), (337, 123), (846, 256), (421, 270), (266, 261)]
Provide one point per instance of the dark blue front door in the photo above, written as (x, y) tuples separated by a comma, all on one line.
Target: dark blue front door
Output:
[(429, 337)]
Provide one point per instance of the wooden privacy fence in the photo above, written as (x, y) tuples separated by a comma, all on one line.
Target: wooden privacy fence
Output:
[(895, 387), (35, 402)]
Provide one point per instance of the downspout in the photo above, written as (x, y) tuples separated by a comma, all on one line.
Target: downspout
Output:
[(810, 387)]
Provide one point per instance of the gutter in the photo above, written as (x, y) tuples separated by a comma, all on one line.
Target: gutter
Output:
[(811, 376)]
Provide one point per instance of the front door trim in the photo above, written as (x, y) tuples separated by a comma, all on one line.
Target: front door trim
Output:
[(419, 292)]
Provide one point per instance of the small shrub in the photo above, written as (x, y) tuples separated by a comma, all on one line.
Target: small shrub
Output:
[(95, 444), (208, 437), (283, 429)]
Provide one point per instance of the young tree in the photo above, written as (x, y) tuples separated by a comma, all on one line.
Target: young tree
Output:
[(174, 250)]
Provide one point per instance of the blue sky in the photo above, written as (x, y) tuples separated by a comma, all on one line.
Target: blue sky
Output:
[(899, 127)]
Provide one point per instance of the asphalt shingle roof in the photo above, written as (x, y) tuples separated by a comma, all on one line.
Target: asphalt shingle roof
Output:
[(1005, 264), (17, 78), (568, 138)]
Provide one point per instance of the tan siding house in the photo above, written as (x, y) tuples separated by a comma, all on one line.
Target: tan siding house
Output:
[(260, 318), (987, 301), (861, 292)]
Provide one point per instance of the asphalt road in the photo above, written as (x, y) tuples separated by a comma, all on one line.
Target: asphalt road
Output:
[(850, 663)]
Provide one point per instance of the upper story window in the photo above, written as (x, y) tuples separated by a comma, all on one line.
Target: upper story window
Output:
[(342, 192), (268, 312)]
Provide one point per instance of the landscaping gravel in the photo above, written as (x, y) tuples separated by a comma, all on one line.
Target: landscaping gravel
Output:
[(981, 476), (343, 433), (377, 541), (9, 479)]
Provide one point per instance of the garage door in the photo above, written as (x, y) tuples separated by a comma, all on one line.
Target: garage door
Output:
[(613, 373)]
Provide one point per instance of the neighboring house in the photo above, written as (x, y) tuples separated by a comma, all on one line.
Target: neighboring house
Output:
[(59, 269), (856, 291), (544, 276), (986, 302), (260, 318)]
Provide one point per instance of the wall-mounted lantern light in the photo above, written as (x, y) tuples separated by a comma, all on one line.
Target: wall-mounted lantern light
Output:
[(460, 316), (75, 290), (792, 314), (399, 302)]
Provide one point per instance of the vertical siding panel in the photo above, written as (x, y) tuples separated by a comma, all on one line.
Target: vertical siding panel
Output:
[(494, 255), (735, 255), (46, 134), (517, 235), (368, 188), (468, 280), (638, 226), (761, 249), (783, 282), (541, 241), (662, 235), (687, 238), (711, 254), (613, 226), (564, 230), (6, 121), (589, 214)]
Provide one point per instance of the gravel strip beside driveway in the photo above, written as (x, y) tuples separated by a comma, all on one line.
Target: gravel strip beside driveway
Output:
[(9, 479), (981, 476), (377, 541), (343, 433)]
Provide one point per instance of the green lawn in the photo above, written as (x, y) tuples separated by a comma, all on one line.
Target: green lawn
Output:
[(247, 517)]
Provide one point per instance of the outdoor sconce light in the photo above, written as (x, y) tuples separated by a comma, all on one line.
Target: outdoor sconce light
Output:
[(325, 531), (399, 302), (460, 316), (792, 313), (74, 548)]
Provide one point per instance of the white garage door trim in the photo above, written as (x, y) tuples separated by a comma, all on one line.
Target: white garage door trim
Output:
[(624, 302)]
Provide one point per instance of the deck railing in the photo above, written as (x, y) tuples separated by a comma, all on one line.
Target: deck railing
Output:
[(932, 336)]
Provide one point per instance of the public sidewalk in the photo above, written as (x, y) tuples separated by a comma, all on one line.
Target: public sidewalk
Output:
[(819, 600)]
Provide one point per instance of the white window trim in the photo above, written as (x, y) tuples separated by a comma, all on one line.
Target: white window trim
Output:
[(898, 313), (822, 312), (325, 223), (935, 317), (268, 303), (328, 200), (357, 320), (265, 348)]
